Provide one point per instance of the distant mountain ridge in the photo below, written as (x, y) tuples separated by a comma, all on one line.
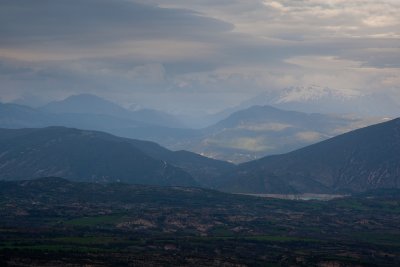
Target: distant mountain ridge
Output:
[(319, 99), (18, 116), (361, 160), (85, 103), (92, 104), (258, 131), (244, 135), (83, 111)]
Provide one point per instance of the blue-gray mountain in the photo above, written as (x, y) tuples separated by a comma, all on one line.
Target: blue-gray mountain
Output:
[(17, 116), (94, 156), (264, 130), (364, 159), (83, 111), (94, 105), (245, 135)]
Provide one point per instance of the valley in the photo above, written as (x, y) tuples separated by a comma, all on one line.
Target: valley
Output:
[(52, 221)]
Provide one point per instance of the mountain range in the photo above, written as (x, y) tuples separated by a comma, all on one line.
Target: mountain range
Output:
[(83, 111), (18, 116), (83, 155), (259, 131), (240, 136), (361, 160), (358, 161), (92, 104)]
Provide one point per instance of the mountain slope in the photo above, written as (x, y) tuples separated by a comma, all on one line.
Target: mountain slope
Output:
[(91, 104), (128, 124), (85, 104), (204, 170), (264, 130), (17, 116), (75, 153), (361, 160), (83, 156), (245, 135), (252, 133)]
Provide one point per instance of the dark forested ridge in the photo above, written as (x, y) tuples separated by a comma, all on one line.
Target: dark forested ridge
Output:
[(94, 156)]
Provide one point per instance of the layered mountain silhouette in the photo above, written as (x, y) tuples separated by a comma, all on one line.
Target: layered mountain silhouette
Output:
[(244, 135), (85, 103), (361, 160), (18, 116), (252, 133), (264, 130), (83, 111), (83, 155), (91, 104)]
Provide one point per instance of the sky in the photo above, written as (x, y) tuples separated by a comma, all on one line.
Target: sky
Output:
[(195, 55)]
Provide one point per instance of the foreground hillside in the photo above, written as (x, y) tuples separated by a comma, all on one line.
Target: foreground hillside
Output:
[(94, 156), (361, 160), (54, 222)]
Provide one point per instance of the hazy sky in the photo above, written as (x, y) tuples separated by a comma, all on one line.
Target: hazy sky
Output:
[(195, 54)]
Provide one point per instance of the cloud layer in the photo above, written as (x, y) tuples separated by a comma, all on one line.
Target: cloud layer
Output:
[(200, 55)]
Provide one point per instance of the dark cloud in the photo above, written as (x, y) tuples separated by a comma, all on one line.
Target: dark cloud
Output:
[(93, 21)]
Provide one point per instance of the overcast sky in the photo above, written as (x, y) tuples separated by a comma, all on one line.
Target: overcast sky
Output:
[(195, 54)]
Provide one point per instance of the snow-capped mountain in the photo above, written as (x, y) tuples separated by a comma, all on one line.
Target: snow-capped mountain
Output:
[(315, 93), (319, 99)]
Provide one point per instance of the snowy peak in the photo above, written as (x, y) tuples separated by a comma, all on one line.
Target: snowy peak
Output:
[(314, 93), (319, 99)]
